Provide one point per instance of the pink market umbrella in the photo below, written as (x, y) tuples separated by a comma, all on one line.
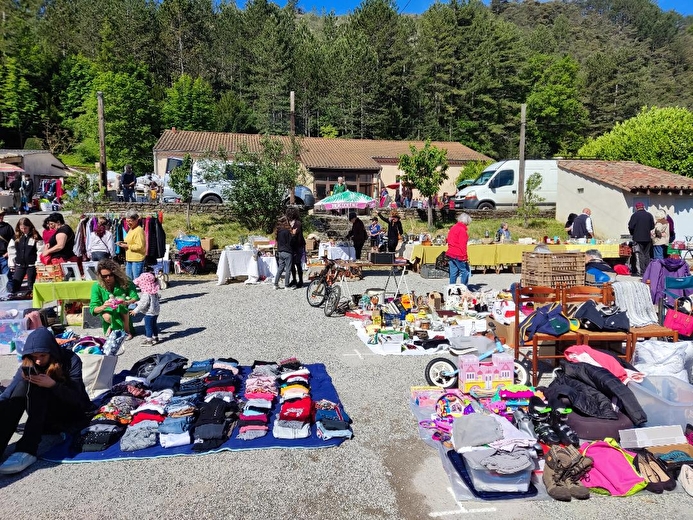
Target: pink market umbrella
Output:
[(346, 200), (8, 168)]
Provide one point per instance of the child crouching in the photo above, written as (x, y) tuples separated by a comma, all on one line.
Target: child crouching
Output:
[(149, 305)]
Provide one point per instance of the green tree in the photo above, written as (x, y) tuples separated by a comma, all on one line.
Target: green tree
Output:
[(425, 170), (262, 179), (189, 104), (18, 99), (232, 114), (130, 115), (471, 170), (529, 208), (657, 137), (181, 183)]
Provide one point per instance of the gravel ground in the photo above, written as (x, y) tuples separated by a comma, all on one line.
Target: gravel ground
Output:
[(385, 471)]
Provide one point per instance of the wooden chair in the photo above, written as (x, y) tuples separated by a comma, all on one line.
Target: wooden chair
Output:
[(581, 293), (648, 331), (538, 296)]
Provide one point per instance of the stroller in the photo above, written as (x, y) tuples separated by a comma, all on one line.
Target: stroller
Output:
[(191, 259)]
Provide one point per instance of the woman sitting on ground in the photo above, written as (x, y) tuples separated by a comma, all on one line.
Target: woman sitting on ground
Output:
[(48, 387), (111, 296)]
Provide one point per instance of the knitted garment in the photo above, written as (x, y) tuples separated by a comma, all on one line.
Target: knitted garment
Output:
[(635, 299)]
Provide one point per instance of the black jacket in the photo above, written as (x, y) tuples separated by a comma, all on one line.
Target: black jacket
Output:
[(26, 252), (599, 387), (6, 234), (358, 232), (640, 224)]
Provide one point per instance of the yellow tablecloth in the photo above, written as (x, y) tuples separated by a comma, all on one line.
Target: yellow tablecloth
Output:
[(505, 254), (48, 292)]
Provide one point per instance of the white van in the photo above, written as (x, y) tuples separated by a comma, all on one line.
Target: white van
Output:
[(497, 185)]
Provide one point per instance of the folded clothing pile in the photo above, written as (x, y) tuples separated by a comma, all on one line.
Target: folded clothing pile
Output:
[(260, 391), (331, 420), (214, 424), (295, 414)]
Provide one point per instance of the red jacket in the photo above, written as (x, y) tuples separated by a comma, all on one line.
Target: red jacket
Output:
[(457, 242)]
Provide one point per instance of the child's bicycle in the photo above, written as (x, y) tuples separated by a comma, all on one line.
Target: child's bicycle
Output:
[(443, 372), (320, 287)]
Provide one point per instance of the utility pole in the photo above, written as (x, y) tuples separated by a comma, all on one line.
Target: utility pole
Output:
[(103, 177), (521, 173), (292, 133)]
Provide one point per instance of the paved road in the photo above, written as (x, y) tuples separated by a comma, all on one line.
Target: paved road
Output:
[(385, 472)]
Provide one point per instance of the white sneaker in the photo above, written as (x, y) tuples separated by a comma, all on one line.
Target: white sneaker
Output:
[(276, 287), (17, 462)]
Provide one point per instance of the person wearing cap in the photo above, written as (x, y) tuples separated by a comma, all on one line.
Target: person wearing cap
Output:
[(394, 229), (6, 235), (47, 386), (640, 227), (357, 233)]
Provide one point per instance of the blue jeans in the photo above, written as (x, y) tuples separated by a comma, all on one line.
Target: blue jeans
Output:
[(458, 268), (133, 269), (284, 266), (129, 195), (4, 268), (659, 252), (151, 328)]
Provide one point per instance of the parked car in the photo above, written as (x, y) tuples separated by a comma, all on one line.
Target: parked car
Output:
[(212, 192)]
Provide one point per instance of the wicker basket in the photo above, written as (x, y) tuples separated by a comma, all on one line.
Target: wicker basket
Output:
[(553, 269), (49, 273)]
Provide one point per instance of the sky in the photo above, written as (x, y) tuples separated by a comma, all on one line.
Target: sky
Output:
[(684, 7)]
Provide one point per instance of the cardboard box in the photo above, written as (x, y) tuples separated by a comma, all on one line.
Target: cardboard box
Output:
[(207, 243), (312, 244), (504, 331)]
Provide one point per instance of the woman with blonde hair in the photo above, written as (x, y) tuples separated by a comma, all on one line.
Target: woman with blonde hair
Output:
[(660, 235), (111, 296)]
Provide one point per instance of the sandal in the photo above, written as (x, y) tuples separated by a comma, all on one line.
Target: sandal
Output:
[(128, 337)]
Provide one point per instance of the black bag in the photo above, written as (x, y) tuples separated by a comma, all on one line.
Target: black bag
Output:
[(443, 262), (598, 318)]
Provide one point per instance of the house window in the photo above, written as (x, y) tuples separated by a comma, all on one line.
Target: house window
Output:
[(471, 376), (505, 374)]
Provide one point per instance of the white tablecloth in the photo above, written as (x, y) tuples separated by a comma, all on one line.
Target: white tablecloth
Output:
[(337, 252), (233, 263)]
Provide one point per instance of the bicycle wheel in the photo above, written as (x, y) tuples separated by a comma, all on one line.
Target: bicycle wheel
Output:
[(316, 292), (333, 298)]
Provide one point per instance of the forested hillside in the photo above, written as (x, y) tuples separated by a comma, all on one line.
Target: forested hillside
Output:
[(458, 72)]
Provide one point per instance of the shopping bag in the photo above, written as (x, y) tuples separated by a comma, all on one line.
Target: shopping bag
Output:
[(97, 373)]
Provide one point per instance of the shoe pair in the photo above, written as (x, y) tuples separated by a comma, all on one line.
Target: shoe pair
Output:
[(654, 472), (564, 468), (550, 423), (148, 342), (17, 462)]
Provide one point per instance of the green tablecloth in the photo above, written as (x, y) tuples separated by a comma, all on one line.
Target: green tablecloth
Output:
[(48, 292)]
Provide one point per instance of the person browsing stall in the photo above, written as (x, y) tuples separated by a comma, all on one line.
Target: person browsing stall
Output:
[(27, 243), (503, 233), (582, 225), (458, 236), (298, 247), (101, 243), (660, 235), (374, 230), (60, 246), (134, 245), (394, 229), (128, 181), (111, 296), (48, 387), (284, 252), (357, 234), (6, 234), (640, 226)]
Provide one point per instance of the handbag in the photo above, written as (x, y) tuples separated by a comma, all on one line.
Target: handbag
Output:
[(97, 373), (443, 262), (680, 321)]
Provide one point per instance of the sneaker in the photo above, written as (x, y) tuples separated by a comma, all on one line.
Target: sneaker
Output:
[(16, 462), (287, 288), (147, 343), (276, 287), (155, 339)]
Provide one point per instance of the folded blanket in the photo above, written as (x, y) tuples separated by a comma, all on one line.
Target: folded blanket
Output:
[(634, 298)]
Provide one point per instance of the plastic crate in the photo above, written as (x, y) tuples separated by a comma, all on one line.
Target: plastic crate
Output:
[(486, 480), (552, 269), (49, 273), (667, 400), (430, 271)]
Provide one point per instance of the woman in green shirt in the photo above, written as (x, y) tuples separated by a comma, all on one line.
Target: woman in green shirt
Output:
[(111, 296)]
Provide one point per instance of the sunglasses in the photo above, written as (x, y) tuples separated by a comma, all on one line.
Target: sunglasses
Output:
[(108, 275)]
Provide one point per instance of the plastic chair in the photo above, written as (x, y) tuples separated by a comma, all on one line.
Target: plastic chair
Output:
[(535, 297)]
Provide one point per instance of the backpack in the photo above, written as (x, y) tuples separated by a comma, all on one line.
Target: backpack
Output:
[(612, 472)]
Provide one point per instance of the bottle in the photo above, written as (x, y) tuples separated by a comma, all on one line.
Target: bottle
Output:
[(487, 234)]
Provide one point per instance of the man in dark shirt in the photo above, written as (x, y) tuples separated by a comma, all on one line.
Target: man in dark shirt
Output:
[(6, 234), (128, 182), (640, 225), (16, 187)]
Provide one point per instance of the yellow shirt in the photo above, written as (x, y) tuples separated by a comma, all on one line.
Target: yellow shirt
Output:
[(136, 246)]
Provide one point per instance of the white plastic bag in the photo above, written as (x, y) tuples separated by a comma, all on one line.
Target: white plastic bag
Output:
[(661, 358)]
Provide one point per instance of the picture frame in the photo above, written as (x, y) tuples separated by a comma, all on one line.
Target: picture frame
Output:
[(71, 272), (89, 269)]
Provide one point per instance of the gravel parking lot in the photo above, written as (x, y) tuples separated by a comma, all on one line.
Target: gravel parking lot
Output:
[(385, 471)]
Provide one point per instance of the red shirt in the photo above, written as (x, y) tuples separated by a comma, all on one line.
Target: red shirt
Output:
[(457, 242)]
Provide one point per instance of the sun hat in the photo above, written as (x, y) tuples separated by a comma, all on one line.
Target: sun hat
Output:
[(148, 283)]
